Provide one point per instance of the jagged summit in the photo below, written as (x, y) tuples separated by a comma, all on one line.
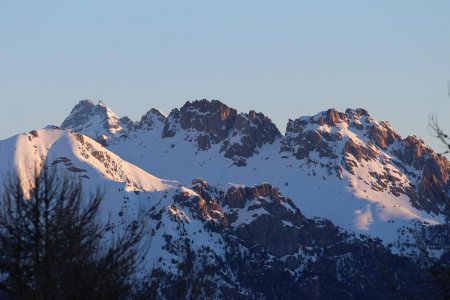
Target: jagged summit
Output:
[(332, 116), (240, 134), (355, 122), (96, 121), (328, 133), (210, 139), (217, 118), (151, 119), (356, 144)]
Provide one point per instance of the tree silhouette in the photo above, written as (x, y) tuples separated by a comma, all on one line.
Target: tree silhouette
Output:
[(53, 245)]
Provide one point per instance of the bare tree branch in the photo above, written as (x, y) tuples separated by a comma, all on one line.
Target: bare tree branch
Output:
[(436, 131)]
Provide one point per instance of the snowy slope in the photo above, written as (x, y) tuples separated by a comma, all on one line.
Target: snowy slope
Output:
[(82, 157), (312, 189), (76, 153)]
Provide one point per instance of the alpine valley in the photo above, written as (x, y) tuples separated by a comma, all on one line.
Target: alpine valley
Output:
[(339, 207)]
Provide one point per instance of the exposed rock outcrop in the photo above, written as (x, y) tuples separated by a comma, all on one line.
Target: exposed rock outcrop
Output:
[(433, 180), (339, 142), (353, 139), (213, 122), (273, 251)]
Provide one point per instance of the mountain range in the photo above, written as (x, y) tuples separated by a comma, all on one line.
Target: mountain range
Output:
[(339, 206)]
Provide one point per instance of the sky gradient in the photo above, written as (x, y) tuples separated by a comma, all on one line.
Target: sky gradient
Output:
[(285, 59)]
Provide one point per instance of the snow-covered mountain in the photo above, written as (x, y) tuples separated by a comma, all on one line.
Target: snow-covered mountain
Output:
[(77, 155), (340, 206), (96, 121), (346, 167)]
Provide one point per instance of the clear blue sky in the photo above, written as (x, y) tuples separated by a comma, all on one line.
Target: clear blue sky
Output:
[(284, 58)]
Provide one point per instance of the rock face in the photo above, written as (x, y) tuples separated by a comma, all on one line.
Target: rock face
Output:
[(353, 140), (96, 121), (279, 226), (271, 250), (325, 132), (240, 135), (432, 178)]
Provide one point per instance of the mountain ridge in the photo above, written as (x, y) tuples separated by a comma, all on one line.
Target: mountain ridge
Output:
[(340, 206), (201, 136)]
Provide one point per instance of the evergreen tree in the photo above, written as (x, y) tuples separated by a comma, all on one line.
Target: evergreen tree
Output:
[(53, 245)]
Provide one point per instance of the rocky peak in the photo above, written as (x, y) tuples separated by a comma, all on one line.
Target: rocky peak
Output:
[(324, 130), (332, 117), (96, 121), (212, 117), (213, 122), (353, 139), (151, 119)]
